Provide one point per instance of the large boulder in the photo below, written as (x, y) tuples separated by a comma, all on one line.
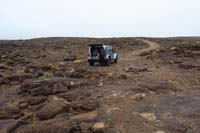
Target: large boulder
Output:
[(79, 123), (189, 65), (70, 58), (57, 125), (135, 69), (9, 125), (53, 107), (49, 86), (1, 80), (159, 86), (19, 77), (86, 105), (9, 111), (29, 100)]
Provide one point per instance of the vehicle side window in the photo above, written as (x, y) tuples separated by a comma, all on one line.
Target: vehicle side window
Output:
[(106, 48), (111, 49)]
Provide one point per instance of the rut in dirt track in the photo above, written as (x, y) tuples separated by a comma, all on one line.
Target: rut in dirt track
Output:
[(152, 46), (131, 58), (135, 54), (118, 106)]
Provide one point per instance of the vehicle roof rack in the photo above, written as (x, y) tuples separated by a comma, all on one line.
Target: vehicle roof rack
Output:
[(99, 45), (96, 45)]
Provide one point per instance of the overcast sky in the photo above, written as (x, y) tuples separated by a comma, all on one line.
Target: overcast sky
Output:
[(23, 19)]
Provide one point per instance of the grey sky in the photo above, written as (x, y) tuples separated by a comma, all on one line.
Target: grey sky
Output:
[(22, 19)]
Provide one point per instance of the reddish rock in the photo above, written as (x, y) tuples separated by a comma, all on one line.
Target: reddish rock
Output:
[(53, 107)]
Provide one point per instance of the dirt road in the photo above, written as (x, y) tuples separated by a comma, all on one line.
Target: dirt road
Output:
[(152, 46), (118, 106)]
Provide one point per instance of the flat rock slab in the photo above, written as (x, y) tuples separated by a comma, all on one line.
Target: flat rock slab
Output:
[(19, 77), (48, 86), (9, 111), (159, 86), (174, 113), (90, 116)]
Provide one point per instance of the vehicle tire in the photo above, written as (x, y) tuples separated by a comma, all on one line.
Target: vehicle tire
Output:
[(116, 59), (91, 63), (108, 62)]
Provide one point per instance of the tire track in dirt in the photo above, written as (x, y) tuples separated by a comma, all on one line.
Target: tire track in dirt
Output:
[(117, 107), (152, 46), (127, 59), (136, 54)]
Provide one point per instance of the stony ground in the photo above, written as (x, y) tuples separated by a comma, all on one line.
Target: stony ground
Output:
[(47, 86)]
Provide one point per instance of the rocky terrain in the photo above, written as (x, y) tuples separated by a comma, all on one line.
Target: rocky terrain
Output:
[(47, 86)]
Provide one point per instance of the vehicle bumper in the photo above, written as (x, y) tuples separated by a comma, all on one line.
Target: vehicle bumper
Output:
[(96, 60)]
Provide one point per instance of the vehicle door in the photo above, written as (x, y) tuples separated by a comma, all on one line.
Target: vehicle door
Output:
[(112, 53)]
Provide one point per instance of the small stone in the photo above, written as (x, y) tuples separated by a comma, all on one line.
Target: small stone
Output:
[(149, 116), (110, 75), (75, 74), (72, 70), (1, 80), (126, 69), (77, 61), (159, 132), (100, 84), (89, 116), (173, 48), (139, 96), (99, 127), (171, 62), (135, 69), (71, 83), (110, 110), (101, 80), (70, 58), (23, 105), (123, 76)]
